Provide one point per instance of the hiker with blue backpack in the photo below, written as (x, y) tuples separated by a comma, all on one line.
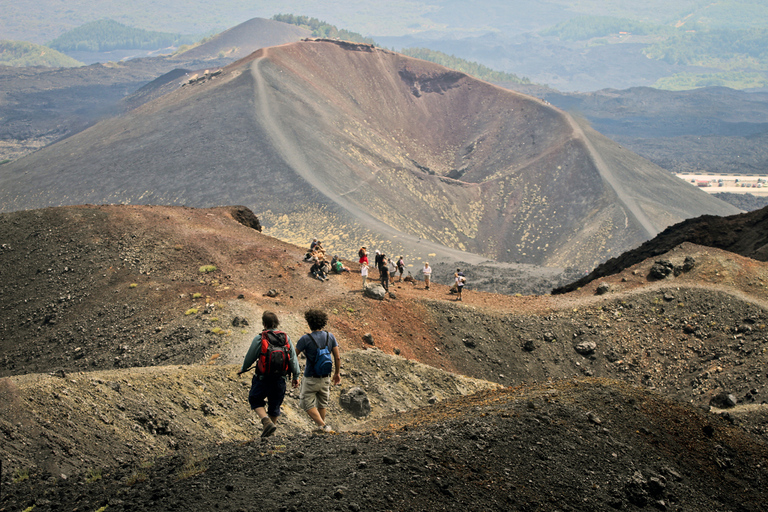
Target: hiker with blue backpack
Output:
[(323, 367), (275, 358)]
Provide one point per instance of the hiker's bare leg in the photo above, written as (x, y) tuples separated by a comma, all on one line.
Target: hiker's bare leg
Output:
[(314, 413), (261, 412), (321, 412), (274, 419)]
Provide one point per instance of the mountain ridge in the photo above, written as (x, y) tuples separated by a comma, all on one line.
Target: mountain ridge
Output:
[(366, 136)]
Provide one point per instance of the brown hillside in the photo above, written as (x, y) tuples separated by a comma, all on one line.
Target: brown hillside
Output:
[(358, 145), (119, 357), (745, 234)]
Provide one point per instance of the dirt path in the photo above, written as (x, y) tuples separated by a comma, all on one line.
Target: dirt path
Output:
[(632, 208)]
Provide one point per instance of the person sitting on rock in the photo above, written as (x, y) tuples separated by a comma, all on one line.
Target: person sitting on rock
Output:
[(317, 270), (337, 266)]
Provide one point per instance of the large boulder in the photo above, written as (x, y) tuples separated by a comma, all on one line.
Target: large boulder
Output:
[(355, 401), (375, 291)]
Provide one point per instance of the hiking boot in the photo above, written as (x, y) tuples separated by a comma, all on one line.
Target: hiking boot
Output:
[(325, 429), (269, 427)]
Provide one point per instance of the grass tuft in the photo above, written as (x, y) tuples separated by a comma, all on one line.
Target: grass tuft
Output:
[(205, 269), (136, 477), (191, 311), (193, 466), (20, 475), (94, 475)]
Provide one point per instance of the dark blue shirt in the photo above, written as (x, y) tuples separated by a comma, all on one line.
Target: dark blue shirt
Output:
[(308, 347)]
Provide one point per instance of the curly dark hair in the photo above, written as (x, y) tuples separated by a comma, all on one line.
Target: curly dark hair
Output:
[(269, 320), (316, 319)]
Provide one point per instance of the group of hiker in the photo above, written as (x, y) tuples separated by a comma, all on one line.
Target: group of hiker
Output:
[(275, 359), (320, 265), (388, 268)]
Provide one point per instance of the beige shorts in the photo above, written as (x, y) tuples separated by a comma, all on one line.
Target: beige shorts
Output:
[(315, 392)]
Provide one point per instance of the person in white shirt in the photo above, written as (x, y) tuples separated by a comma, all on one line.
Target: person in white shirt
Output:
[(427, 271), (364, 272)]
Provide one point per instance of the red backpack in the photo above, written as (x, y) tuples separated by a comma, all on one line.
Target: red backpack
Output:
[(275, 356)]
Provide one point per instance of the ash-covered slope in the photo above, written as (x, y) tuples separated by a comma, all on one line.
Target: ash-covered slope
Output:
[(745, 234), (359, 145)]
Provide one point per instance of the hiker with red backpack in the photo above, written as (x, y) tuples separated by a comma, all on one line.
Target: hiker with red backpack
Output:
[(275, 358), (322, 352)]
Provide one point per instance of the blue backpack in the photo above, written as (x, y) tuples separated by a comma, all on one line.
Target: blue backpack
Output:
[(323, 364)]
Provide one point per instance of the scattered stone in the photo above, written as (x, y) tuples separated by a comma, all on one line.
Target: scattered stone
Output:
[(389, 460), (586, 348), (356, 402), (593, 418), (432, 400), (397, 351), (669, 297), (689, 263), (636, 489), (602, 289), (661, 269), (239, 321), (529, 346), (723, 401), (469, 343), (368, 339), (272, 293)]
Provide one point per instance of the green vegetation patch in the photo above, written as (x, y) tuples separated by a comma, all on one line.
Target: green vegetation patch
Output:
[(322, 29), (22, 54), (583, 28), (205, 269), (744, 48), (734, 80), (471, 68), (107, 35)]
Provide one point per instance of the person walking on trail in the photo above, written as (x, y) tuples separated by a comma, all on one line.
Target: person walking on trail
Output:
[(363, 254), (400, 267), (316, 384), (364, 273), (384, 273), (392, 270), (427, 271), (460, 280), (268, 384)]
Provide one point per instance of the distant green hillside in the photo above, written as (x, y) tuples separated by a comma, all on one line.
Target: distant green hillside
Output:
[(322, 29), (471, 68), (583, 28), (21, 54), (726, 14), (733, 79), (745, 48), (107, 35)]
